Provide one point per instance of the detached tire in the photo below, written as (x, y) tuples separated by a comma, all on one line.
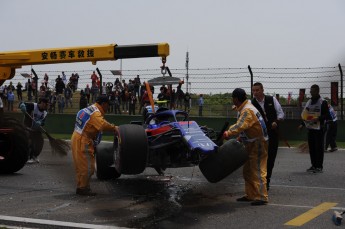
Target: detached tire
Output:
[(230, 156), (131, 149), (105, 169), (14, 145)]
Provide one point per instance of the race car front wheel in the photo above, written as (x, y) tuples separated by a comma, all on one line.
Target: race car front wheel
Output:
[(131, 149)]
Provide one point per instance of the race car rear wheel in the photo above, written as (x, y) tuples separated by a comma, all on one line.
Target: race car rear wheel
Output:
[(105, 169), (36, 142), (14, 145), (230, 156), (131, 149)]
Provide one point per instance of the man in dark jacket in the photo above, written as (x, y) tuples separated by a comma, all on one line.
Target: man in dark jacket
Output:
[(59, 86), (272, 112)]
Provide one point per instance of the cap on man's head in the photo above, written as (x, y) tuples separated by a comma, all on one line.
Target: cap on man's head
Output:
[(102, 99), (240, 94)]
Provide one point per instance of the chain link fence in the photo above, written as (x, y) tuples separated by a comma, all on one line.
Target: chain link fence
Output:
[(216, 84)]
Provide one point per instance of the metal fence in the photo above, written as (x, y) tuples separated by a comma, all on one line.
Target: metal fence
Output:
[(285, 82)]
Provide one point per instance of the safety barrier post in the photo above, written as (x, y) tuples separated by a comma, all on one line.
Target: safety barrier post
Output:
[(36, 82), (341, 92), (251, 81), (100, 81)]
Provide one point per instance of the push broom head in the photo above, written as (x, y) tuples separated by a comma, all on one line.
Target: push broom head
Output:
[(303, 147), (59, 147)]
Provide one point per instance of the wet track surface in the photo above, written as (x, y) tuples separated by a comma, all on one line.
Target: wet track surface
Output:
[(181, 198)]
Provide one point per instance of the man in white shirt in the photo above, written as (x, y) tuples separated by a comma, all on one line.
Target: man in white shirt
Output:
[(272, 112)]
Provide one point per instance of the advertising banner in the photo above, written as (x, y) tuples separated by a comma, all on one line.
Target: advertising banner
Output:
[(334, 93)]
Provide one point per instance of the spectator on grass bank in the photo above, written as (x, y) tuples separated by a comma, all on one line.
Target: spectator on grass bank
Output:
[(82, 100), (201, 104), (132, 103), (117, 103), (137, 84), (68, 96), (61, 103), (52, 103), (59, 86), (19, 91), (109, 86), (10, 100), (94, 78), (87, 92), (64, 78), (46, 79), (94, 92), (186, 101)]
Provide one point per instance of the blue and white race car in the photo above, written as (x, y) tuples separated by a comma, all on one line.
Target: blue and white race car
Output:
[(168, 139)]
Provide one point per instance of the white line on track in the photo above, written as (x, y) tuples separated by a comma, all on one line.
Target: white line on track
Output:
[(53, 223)]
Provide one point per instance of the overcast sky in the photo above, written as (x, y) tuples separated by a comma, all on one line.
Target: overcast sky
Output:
[(217, 33)]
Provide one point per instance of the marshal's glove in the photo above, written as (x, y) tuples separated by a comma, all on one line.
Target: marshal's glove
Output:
[(22, 107), (226, 135), (116, 130)]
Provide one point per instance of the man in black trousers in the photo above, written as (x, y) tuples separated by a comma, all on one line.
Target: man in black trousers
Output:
[(272, 112), (314, 115)]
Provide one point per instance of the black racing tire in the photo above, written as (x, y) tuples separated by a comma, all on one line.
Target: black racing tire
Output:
[(36, 142), (131, 149), (230, 156), (105, 169), (14, 145)]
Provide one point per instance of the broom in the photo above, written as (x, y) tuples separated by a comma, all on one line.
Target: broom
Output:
[(303, 147), (59, 146)]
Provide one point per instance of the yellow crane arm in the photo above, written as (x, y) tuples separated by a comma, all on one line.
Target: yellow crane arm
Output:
[(9, 61)]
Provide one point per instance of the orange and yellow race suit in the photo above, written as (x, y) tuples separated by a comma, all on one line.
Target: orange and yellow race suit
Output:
[(251, 129), (89, 125)]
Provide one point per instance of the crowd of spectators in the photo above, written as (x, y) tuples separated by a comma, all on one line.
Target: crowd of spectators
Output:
[(130, 97), (7, 94), (125, 97)]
